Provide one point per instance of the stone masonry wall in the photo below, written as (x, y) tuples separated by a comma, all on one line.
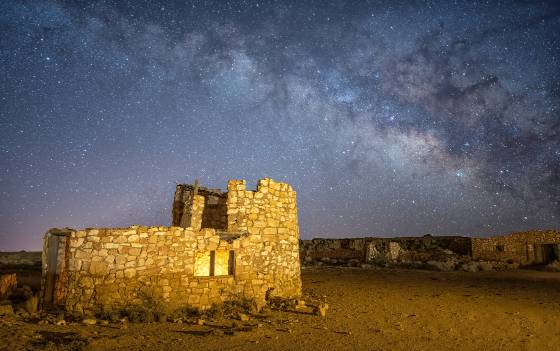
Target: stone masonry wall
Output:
[(115, 268), (523, 248), (372, 249), (212, 215), (269, 215)]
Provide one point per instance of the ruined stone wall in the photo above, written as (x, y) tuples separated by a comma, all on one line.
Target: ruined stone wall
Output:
[(523, 248), (182, 206), (269, 215), (22, 258), (212, 214), (215, 212), (373, 249), (114, 268), (333, 248)]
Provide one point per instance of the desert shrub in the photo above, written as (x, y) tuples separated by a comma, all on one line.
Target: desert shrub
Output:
[(239, 304), (185, 313), (215, 311), (280, 303), (151, 300), (150, 309), (140, 314), (101, 312)]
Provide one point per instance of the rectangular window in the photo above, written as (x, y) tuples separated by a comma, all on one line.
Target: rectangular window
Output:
[(231, 263), (214, 263), (499, 248)]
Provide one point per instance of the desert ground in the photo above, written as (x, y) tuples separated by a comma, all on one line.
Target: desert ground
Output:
[(369, 309)]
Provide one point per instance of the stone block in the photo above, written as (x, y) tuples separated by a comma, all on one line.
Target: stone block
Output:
[(98, 268), (129, 273)]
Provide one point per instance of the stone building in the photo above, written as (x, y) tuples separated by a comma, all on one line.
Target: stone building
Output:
[(221, 246), (531, 247), (524, 248), (375, 249)]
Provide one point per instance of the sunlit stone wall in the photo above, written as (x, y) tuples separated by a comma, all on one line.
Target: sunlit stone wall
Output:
[(114, 268), (531, 247), (269, 215)]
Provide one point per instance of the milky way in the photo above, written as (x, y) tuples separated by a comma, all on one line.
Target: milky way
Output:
[(426, 117)]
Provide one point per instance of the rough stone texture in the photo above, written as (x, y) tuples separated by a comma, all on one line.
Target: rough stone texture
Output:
[(532, 247), (22, 258), (372, 249), (114, 268), (213, 212), (8, 283), (440, 252)]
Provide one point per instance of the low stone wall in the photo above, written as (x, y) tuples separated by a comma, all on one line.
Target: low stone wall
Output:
[(376, 250), (22, 258), (109, 269), (523, 248), (499, 252)]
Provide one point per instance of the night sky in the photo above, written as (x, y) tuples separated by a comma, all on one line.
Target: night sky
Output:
[(438, 117)]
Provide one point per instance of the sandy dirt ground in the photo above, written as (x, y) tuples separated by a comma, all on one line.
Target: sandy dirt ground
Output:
[(369, 309)]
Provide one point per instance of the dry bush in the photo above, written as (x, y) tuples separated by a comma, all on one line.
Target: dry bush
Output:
[(216, 311), (185, 313)]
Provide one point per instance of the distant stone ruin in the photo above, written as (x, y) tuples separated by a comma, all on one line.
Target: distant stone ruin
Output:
[(526, 248), (438, 252), (239, 244)]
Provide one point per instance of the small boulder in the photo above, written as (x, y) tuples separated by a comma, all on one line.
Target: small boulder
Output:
[(6, 310), (8, 283), (89, 321), (470, 267), (321, 310), (485, 266), (243, 317)]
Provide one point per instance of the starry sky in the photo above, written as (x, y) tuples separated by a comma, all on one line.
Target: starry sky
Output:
[(389, 118)]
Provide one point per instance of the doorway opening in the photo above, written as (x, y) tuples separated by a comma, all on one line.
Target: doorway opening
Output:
[(550, 253)]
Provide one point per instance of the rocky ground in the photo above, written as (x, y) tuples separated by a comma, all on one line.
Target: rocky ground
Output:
[(369, 309)]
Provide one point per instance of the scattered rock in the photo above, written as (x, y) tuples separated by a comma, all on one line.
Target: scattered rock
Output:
[(441, 266), (8, 283), (243, 317), (218, 332), (31, 304), (469, 267), (6, 310), (485, 266), (321, 310), (300, 304), (553, 266), (89, 321)]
